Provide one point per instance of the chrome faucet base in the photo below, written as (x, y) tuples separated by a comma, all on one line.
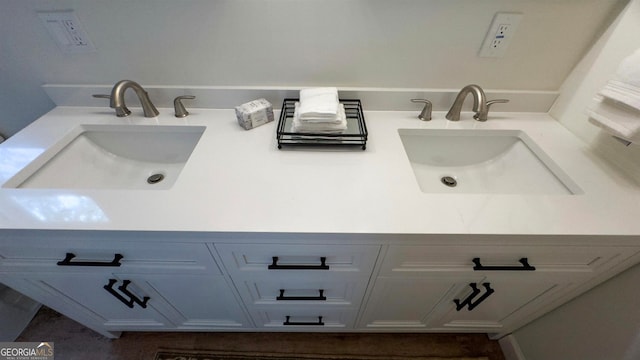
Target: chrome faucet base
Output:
[(123, 111)]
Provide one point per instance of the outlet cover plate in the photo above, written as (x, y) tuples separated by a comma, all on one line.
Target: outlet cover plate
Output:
[(66, 30), (500, 34)]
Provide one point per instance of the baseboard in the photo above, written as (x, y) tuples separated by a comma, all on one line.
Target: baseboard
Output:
[(510, 348)]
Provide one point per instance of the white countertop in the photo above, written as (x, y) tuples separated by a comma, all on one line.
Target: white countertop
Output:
[(238, 181)]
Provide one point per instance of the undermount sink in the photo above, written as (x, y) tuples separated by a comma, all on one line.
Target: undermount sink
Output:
[(112, 157), (482, 161)]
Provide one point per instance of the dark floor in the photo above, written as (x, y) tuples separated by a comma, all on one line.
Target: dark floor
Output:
[(74, 341)]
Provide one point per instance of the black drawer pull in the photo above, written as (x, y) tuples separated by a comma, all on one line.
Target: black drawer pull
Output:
[(123, 288), (322, 266), (469, 300), (302, 298), (524, 261), (304, 323), (67, 261)]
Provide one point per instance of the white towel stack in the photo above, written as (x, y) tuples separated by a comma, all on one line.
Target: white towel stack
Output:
[(319, 111), (616, 109)]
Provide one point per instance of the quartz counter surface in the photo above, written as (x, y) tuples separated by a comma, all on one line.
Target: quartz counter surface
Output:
[(238, 181)]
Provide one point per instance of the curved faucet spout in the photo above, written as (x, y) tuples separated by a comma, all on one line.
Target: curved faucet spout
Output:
[(479, 103), (117, 99)]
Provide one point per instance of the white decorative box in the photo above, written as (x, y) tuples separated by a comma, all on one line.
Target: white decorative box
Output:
[(254, 113)]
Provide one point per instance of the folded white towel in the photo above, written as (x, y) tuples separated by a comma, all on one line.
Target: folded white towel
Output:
[(338, 127), (629, 69), (309, 93), (625, 86), (319, 105), (617, 108), (623, 92), (616, 118)]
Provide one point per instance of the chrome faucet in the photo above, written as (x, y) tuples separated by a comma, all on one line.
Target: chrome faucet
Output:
[(480, 104), (117, 99)]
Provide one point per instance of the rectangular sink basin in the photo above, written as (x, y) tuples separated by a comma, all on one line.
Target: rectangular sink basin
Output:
[(482, 162), (112, 157)]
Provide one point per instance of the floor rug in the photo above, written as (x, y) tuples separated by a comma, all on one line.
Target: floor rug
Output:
[(227, 355)]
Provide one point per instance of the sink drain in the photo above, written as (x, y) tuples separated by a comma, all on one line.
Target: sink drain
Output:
[(449, 181), (155, 178)]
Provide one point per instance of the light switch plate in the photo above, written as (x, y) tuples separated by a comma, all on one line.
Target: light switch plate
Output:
[(66, 30)]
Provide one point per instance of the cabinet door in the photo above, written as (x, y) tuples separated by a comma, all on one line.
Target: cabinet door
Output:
[(161, 301), (495, 302), (83, 297), (458, 302), (407, 302), (197, 302)]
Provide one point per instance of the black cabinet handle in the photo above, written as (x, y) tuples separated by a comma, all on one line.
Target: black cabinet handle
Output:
[(274, 265), (67, 261), (123, 288), (524, 261), (469, 300), (304, 323), (302, 298)]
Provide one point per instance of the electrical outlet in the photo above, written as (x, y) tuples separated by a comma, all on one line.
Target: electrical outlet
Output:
[(500, 33), (65, 29)]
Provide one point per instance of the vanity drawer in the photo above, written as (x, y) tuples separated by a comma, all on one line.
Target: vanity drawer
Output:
[(273, 260), (292, 291), (112, 256), (303, 318), (402, 260)]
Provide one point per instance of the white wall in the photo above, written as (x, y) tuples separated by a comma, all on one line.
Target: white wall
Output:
[(605, 322), (594, 70), (349, 43), (21, 99)]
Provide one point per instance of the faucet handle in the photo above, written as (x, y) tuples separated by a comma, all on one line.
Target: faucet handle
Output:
[(179, 108), (497, 101), (489, 103), (425, 115), (101, 96)]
